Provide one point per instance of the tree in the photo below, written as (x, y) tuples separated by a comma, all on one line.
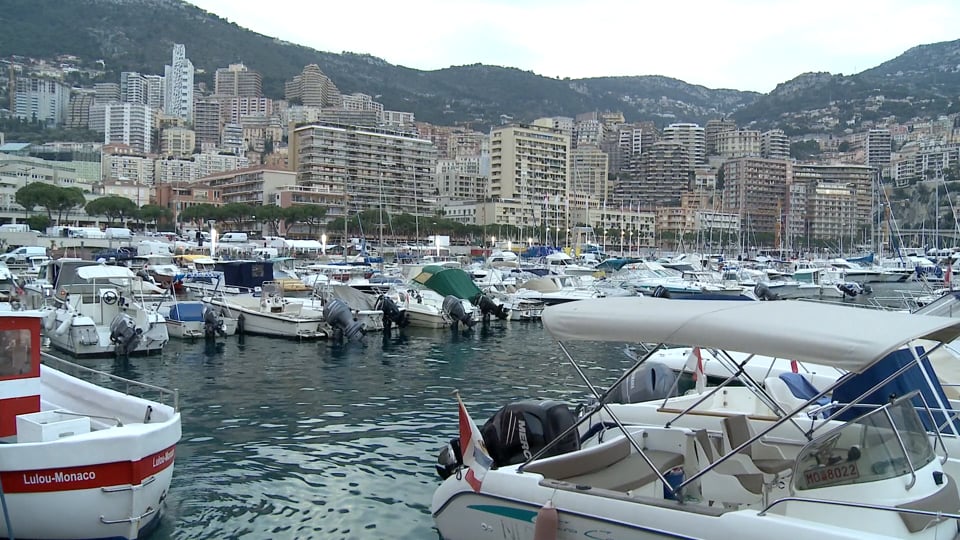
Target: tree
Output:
[(113, 207), (272, 214), (200, 213), (152, 213), (37, 194), (66, 199), (311, 215), (238, 213), (38, 222)]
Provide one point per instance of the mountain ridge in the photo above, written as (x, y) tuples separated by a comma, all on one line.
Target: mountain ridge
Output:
[(137, 35)]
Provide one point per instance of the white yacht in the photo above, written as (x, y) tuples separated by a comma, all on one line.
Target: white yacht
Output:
[(97, 311)]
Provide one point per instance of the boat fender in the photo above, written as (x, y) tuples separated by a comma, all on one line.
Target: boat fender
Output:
[(548, 521), (50, 321), (240, 323), (64, 326)]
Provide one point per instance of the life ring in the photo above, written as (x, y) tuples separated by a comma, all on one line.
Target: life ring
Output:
[(109, 297)]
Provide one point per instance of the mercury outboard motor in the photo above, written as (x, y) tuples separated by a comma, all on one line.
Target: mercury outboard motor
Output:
[(453, 307), (519, 430), (489, 307), (651, 381), (339, 316), (124, 334), (764, 293), (213, 323), (392, 314)]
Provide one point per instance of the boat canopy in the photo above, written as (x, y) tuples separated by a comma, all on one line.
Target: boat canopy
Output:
[(845, 337), (103, 271)]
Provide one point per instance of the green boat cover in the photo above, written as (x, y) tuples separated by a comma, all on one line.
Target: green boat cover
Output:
[(444, 280)]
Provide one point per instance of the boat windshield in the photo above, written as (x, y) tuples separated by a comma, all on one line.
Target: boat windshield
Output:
[(879, 445)]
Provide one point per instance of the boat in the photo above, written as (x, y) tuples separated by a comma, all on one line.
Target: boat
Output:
[(455, 284), (268, 313), (79, 460), (97, 311), (870, 471), (191, 319)]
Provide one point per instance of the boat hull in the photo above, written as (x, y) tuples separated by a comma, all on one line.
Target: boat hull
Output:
[(83, 339), (271, 324)]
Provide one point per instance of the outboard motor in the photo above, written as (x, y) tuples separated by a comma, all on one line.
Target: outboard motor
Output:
[(764, 293), (124, 334), (392, 314), (661, 292), (850, 288), (339, 316), (453, 307), (213, 323), (519, 430), (488, 306), (515, 433), (653, 380)]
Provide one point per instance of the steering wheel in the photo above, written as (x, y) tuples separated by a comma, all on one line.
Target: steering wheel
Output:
[(110, 297)]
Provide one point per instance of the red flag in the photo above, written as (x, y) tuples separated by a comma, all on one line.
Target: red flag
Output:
[(794, 367), (474, 452)]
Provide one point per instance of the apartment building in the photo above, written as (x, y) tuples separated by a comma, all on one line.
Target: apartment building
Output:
[(589, 172), (180, 195), (373, 166), (879, 147), (738, 143), (238, 80), (774, 144), (125, 123), (313, 89), (177, 141), (713, 130), (860, 178), (530, 165), (663, 173), (178, 91), (40, 99), (254, 185), (755, 189), (690, 136)]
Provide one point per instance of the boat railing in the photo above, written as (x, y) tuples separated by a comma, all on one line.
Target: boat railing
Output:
[(165, 396), (849, 504)]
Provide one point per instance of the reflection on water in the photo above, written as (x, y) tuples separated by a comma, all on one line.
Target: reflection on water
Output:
[(338, 440)]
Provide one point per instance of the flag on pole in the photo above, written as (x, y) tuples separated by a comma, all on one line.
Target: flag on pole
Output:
[(694, 363), (474, 452), (794, 367), (948, 275)]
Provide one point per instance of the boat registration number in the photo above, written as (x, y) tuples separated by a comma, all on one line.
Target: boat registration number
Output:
[(823, 476)]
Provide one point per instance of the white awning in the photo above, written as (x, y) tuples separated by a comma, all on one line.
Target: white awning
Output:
[(103, 271), (846, 337)]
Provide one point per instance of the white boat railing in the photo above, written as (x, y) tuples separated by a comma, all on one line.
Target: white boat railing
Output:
[(163, 394)]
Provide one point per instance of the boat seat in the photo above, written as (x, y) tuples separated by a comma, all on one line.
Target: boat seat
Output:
[(610, 466), (946, 500), (728, 482), (768, 459)]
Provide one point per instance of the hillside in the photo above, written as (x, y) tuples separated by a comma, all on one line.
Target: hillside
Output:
[(137, 35)]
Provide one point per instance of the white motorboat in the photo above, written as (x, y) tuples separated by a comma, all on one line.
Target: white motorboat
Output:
[(428, 309), (874, 475), (96, 311), (78, 460), (191, 319), (270, 314)]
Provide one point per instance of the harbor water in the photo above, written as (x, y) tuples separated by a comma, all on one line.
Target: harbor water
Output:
[(286, 439)]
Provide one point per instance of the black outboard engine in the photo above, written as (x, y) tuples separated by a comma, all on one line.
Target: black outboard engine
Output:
[(392, 314), (850, 288), (661, 292), (489, 307), (453, 307), (519, 430), (652, 380), (124, 334), (764, 293), (340, 317), (213, 323)]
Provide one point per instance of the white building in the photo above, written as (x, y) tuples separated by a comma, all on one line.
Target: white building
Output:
[(690, 136), (178, 98), (126, 123), (44, 100)]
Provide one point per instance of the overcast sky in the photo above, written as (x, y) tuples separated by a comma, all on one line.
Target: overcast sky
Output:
[(741, 44)]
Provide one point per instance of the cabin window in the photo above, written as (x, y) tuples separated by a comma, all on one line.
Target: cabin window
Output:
[(15, 356)]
